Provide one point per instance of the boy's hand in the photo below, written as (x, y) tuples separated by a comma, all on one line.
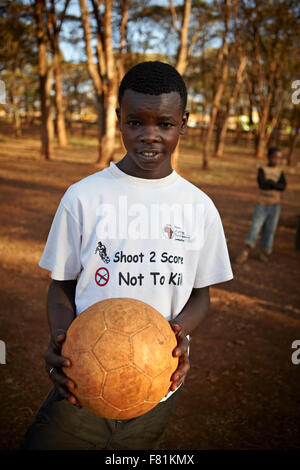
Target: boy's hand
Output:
[(181, 351), (54, 362)]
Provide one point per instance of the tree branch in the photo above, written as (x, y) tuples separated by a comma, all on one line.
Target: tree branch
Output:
[(174, 16)]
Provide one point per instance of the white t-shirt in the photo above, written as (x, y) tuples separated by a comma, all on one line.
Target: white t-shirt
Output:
[(122, 236)]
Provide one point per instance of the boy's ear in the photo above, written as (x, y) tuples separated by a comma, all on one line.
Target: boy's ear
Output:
[(185, 119)]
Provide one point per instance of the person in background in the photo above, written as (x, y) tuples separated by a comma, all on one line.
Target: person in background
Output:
[(271, 182)]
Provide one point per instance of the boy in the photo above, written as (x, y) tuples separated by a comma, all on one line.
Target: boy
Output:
[(271, 182), (160, 240)]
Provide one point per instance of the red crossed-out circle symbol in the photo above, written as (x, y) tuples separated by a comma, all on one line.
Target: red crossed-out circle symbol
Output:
[(102, 276)]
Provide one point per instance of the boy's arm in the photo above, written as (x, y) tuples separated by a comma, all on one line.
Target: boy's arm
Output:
[(61, 305), (281, 183), (194, 310), (270, 184), (61, 313), (263, 183), (184, 324)]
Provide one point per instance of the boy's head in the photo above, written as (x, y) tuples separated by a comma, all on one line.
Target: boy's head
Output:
[(274, 156), (152, 116), (154, 78)]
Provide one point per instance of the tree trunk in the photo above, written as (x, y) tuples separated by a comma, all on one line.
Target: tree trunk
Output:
[(106, 93), (123, 42), (292, 145), (16, 115), (39, 7), (223, 65), (50, 122), (238, 132), (276, 113), (182, 53), (108, 144), (60, 118), (53, 30), (214, 110), (181, 62), (92, 68), (262, 131), (232, 100), (218, 128)]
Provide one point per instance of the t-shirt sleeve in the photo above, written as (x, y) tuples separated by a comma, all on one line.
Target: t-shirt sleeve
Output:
[(213, 263), (61, 254)]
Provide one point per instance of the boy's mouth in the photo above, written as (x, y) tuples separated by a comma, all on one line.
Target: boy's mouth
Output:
[(149, 154)]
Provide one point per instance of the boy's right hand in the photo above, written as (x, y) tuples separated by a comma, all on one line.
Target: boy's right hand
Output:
[(54, 362)]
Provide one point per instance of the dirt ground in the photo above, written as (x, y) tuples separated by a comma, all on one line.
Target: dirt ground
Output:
[(243, 391)]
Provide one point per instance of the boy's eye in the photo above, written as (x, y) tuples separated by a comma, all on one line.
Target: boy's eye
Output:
[(166, 124), (134, 123)]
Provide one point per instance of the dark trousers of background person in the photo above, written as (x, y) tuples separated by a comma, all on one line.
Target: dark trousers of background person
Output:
[(265, 219)]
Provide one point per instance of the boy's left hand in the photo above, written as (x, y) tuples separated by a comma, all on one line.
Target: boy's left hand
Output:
[(181, 351)]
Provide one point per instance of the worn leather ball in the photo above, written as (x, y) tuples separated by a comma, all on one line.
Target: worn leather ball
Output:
[(121, 355)]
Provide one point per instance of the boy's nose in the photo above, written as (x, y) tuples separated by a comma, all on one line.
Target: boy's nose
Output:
[(150, 135)]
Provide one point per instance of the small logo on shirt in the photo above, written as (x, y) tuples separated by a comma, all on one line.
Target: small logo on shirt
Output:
[(101, 249), (168, 231), (175, 232)]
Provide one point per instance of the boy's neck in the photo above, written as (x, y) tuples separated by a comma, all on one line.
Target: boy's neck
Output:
[(127, 166)]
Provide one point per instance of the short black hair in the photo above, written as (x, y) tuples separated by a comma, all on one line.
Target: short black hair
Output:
[(153, 78), (273, 150)]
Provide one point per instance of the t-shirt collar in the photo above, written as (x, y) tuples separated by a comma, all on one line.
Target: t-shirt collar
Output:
[(135, 181)]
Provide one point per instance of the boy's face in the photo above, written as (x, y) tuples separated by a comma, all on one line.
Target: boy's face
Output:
[(150, 126), (275, 159)]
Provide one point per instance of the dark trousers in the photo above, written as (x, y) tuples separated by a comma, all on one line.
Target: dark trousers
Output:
[(59, 425), (265, 219)]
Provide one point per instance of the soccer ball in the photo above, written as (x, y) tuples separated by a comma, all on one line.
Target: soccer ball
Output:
[(121, 355)]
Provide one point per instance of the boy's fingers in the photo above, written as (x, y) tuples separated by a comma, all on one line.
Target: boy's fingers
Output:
[(181, 371), (60, 380), (59, 333), (182, 347), (59, 340), (179, 332), (60, 336), (176, 328), (53, 360), (66, 395)]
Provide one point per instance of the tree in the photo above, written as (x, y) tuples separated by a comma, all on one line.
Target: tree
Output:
[(123, 38), (221, 75), (54, 24), (17, 42), (270, 29), (182, 52), (103, 75), (78, 91), (294, 135), (45, 75), (239, 76)]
